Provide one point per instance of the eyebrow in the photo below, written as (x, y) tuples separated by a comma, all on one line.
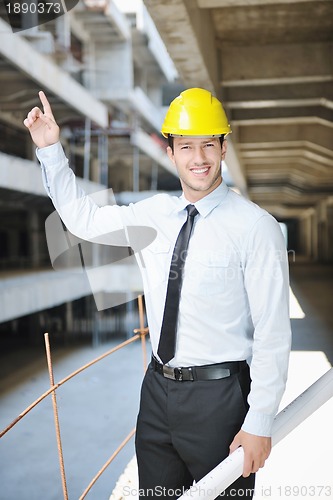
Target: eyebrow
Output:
[(205, 141)]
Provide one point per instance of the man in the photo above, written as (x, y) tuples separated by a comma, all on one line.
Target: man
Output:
[(216, 288)]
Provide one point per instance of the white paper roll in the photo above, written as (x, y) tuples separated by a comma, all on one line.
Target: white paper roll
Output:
[(230, 469)]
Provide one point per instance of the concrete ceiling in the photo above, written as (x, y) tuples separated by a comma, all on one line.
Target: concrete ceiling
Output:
[(271, 62)]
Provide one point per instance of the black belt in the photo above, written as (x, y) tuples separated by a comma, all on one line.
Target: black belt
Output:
[(205, 372)]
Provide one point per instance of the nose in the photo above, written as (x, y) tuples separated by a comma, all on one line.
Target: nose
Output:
[(199, 156)]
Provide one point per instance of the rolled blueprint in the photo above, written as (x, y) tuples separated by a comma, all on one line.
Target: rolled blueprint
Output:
[(224, 474)]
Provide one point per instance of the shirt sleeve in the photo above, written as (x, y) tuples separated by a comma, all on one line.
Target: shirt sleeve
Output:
[(266, 278), (79, 212)]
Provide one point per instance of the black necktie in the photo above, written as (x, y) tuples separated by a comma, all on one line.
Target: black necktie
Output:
[(167, 344)]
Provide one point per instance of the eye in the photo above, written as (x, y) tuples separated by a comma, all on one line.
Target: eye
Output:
[(210, 144), (185, 147)]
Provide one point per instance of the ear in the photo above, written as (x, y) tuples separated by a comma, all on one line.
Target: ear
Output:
[(171, 155), (224, 149)]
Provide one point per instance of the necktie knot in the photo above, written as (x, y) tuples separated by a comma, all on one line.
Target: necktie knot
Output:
[(191, 210)]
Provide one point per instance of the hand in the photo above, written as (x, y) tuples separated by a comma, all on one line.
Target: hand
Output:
[(42, 126), (256, 450)]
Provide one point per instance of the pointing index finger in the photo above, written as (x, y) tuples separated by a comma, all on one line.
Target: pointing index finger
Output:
[(46, 105)]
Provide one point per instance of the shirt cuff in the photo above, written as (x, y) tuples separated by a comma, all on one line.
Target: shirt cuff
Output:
[(51, 155), (258, 424)]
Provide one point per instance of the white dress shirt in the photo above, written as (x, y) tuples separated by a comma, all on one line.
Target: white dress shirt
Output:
[(235, 295)]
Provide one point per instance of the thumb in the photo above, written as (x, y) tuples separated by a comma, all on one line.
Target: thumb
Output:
[(235, 444)]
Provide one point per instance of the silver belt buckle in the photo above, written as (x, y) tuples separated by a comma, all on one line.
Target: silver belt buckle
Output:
[(169, 372)]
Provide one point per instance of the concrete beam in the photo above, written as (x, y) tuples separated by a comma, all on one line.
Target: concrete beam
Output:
[(300, 120), (279, 80), (281, 103), (283, 212), (299, 173), (28, 292), (21, 175), (282, 131), (133, 100), (151, 41), (25, 176), (270, 62), (118, 20), (272, 148), (188, 33), (294, 113), (49, 76), (144, 106), (105, 12), (11, 119), (235, 168), (33, 292), (147, 145), (285, 194), (280, 92), (286, 164)]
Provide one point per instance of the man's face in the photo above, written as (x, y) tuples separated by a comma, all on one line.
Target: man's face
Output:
[(198, 162)]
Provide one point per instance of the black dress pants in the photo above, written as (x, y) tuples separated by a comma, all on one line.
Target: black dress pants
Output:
[(184, 430)]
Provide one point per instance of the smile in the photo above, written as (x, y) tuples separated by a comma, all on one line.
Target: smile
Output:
[(201, 170)]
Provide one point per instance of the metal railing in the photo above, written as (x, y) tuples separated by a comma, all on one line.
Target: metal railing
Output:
[(140, 333)]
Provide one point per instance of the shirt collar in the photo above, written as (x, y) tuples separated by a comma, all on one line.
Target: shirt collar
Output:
[(208, 203)]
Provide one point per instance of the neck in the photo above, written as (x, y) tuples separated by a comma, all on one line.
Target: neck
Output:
[(193, 195)]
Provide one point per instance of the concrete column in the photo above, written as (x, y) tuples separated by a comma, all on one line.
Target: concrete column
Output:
[(63, 31), (155, 92), (95, 170), (154, 176), (34, 330), (34, 235), (96, 329), (308, 234), (325, 230), (30, 18), (136, 168), (69, 317), (305, 236), (103, 152), (89, 58), (130, 319), (315, 236), (87, 143), (13, 247), (114, 66), (330, 230), (322, 231)]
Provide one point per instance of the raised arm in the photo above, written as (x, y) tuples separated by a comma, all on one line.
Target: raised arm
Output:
[(42, 126), (81, 215)]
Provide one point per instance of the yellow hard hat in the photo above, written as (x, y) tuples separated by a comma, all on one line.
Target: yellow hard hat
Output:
[(195, 112)]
